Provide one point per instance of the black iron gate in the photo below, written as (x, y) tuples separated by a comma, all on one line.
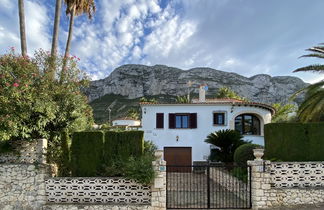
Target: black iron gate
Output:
[(212, 186)]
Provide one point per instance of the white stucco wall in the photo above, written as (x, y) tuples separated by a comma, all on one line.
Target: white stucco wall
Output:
[(195, 137), (126, 122)]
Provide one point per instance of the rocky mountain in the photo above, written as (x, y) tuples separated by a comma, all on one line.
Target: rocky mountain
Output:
[(134, 81)]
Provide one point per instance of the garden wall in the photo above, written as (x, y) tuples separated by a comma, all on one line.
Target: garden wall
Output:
[(286, 183), (26, 184)]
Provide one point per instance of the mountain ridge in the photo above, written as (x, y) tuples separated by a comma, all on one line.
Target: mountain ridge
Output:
[(137, 80)]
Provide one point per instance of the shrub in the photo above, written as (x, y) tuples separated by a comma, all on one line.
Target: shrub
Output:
[(64, 161), (34, 105), (294, 141), (226, 142), (86, 153), (6, 147), (244, 153), (140, 169), (58, 152), (122, 145)]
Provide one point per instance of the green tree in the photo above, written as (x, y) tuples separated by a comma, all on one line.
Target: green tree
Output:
[(144, 99), (282, 112), (22, 27), (32, 105), (226, 142), (182, 100), (75, 8), (133, 113), (226, 92), (312, 108)]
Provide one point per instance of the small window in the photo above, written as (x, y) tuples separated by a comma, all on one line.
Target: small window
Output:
[(183, 120), (219, 118)]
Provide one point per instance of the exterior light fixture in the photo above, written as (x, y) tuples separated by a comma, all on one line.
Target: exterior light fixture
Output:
[(177, 138), (144, 110)]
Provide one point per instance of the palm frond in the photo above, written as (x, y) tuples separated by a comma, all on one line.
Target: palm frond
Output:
[(314, 68), (312, 109), (317, 49), (313, 55)]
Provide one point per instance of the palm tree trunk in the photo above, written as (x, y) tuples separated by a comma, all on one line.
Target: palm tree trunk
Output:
[(68, 44), (22, 26), (52, 68), (56, 27)]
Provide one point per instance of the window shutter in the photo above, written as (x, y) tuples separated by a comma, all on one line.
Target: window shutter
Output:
[(193, 120), (159, 120), (215, 118), (171, 120)]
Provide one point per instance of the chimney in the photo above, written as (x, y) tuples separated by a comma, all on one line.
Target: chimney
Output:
[(202, 93)]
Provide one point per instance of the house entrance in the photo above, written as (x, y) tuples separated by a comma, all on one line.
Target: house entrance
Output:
[(210, 186), (178, 156)]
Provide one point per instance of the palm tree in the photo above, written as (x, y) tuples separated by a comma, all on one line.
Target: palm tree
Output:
[(22, 26), (183, 100), (55, 38), (312, 109), (75, 8), (226, 92), (226, 142)]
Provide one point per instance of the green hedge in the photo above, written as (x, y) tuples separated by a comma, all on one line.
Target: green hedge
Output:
[(120, 146), (86, 153), (294, 141), (244, 153)]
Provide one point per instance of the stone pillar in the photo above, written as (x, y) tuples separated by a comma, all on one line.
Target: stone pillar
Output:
[(260, 182), (41, 149), (159, 185)]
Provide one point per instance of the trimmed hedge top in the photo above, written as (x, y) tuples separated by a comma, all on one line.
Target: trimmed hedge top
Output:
[(122, 145), (294, 141), (93, 151), (86, 153)]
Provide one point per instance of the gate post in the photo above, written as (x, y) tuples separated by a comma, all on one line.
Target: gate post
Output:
[(260, 182), (158, 201)]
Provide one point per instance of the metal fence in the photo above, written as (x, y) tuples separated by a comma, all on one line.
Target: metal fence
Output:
[(214, 186)]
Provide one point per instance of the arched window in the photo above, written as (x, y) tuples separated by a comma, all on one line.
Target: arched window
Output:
[(247, 124)]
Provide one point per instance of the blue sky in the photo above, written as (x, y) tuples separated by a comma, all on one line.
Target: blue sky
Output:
[(247, 37)]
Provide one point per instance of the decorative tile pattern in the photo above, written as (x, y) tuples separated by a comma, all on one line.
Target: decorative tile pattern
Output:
[(26, 152), (97, 190), (297, 174)]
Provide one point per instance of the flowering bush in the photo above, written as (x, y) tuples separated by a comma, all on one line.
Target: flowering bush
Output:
[(34, 104)]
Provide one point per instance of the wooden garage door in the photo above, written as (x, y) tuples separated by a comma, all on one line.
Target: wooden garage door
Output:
[(177, 156)]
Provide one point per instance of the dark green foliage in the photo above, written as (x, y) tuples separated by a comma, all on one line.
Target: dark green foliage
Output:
[(64, 163), (294, 141), (140, 169), (244, 153), (58, 152), (227, 141), (120, 146), (240, 173), (86, 153), (6, 147)]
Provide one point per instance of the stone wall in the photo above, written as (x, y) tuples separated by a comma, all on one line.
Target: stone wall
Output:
[(25, 183), (22, 186), (26, 152), (286, 184)]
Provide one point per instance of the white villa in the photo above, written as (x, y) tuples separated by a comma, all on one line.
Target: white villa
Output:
[(127, 122), (180, 129)]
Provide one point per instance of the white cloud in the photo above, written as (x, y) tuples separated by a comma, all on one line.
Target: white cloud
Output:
[(37, 23)]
